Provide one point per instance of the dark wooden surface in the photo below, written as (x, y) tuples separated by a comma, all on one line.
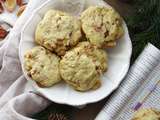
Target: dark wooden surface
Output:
[(90, 111)]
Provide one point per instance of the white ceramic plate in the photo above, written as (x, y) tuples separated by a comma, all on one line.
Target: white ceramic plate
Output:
[(119, 57)]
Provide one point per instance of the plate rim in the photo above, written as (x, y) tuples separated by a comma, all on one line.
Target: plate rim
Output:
[(63, 101)]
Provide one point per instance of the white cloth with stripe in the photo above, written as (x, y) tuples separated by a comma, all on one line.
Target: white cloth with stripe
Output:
[(15, 102)]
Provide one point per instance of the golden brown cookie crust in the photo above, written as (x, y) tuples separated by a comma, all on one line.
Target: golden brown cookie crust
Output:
[(102, 26), (82, 66), (58, 31), (42, 66)]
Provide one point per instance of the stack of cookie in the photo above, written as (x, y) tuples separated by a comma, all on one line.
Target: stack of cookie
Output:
[(71, 48)]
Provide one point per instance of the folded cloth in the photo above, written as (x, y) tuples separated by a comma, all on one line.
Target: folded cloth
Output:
[(15, 102)]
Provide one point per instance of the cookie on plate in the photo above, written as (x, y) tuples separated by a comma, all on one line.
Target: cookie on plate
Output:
[(99, 56), (42, 66), (102, 26), (82, 66), (58, 31), (147, 114)]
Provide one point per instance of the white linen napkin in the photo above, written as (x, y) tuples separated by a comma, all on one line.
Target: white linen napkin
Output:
[(15, 102)]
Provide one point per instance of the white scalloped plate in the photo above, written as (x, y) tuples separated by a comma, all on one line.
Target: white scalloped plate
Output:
[(119, 59)]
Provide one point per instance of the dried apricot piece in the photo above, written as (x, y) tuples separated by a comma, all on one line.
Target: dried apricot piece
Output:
[(10, 5), (20, 10)]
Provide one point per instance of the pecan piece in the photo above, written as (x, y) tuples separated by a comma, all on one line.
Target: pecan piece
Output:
[(19, 2), (3, 33), (2, 0), (1, 8)]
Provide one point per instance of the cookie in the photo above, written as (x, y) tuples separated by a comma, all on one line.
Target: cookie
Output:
[(42, 66), (102, 26), (99, 56), (147, 114), (83, 66), (58, 31)]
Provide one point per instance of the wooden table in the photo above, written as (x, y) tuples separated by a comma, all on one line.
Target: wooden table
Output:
[(90, 111)]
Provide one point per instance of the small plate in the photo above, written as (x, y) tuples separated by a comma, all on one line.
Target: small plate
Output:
[(119, 57)]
